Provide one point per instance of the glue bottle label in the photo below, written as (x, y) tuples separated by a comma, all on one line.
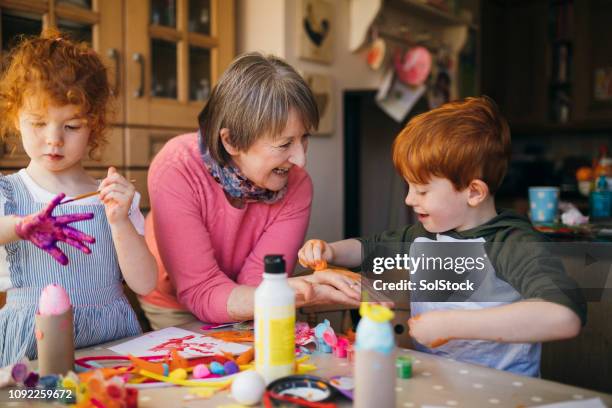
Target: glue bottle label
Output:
[(277, 340), (282, 341)]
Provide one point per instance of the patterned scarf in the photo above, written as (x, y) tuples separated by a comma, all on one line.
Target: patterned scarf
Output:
[(234, 183)]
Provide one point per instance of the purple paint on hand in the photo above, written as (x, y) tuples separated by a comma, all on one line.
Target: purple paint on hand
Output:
[(44, 230)]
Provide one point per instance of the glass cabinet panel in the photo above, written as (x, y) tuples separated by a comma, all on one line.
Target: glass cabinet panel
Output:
[(14, 24), (163, 12), (199, 16), (78, 3), (76, 31), (199, 73), (163, 69)]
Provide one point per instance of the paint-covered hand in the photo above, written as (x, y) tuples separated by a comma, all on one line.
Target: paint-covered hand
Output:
[(315, 254), (116, 193), (44, 230), (432, 328)]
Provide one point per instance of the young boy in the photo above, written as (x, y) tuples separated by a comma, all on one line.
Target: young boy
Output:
[(454, 159)]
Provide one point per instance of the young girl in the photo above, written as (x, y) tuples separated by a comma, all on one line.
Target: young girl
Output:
[(55, 94)]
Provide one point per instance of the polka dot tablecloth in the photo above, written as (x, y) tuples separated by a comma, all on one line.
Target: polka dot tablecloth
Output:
[(435, 382), (440, 382)]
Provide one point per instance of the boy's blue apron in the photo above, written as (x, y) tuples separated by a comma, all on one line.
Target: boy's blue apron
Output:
[(94, 282)]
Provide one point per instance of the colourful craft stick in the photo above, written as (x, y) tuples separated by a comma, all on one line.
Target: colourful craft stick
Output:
[(233, 336), (161, 368), (186, 383), (176, 361), (246, 357)]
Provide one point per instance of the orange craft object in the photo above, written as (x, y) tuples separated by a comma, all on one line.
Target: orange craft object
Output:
[(438, 343), (345, 272), (233, 336), (350, 335), (320, 265), (176, 361), (246, 357), (140, 364), (584, 174), (106, 373)]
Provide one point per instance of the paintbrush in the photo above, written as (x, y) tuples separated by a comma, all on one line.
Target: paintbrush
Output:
[(85, 195)]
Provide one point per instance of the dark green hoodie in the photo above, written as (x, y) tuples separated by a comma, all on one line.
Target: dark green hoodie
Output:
[(516, 254)]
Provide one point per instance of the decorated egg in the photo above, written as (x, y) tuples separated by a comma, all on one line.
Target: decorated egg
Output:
[(53, 301)]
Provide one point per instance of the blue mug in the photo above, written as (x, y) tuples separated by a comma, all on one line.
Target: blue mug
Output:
[(543, 204)]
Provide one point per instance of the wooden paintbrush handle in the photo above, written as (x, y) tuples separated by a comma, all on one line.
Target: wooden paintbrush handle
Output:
[(85, 195)]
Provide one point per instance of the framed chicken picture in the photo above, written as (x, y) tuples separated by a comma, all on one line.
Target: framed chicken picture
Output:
[(315, 30)]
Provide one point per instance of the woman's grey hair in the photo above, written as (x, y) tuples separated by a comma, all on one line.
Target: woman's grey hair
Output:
[(252, 99)]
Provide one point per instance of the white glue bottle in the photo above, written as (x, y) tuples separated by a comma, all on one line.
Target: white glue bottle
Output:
[(274, 322)]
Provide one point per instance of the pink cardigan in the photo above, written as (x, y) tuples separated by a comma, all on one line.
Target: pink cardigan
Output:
[(205, 247)]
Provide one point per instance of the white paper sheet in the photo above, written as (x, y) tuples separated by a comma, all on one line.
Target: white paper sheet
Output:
[(395, 98), (188, 343)]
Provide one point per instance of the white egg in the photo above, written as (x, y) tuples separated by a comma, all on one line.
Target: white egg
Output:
[(248, 387)]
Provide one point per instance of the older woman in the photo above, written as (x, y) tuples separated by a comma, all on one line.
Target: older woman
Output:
[(235, 191)]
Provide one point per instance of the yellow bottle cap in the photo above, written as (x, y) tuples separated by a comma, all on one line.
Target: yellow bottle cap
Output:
[(376, 313)]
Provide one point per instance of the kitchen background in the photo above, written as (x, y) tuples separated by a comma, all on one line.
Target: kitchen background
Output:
[(547, 63)]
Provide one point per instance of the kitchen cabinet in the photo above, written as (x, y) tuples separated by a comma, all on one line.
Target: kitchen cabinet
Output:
[(163, 57)]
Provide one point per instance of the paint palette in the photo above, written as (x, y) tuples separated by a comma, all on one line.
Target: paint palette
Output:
[(306, 387)]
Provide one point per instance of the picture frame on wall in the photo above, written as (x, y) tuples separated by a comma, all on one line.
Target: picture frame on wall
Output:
[(316, 27), (602, 89), (321, 86)]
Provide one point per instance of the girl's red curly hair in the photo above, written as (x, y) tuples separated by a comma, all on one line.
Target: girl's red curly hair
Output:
[(54, 70)]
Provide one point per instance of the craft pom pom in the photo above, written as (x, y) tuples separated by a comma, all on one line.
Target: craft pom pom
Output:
[(200, 371)]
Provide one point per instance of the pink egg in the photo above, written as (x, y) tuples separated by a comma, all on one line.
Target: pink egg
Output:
[(53, 301), (200, 371)]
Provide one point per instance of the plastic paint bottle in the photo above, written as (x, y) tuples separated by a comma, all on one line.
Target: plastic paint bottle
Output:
[(374, 358), (601, 200), (274, 322)]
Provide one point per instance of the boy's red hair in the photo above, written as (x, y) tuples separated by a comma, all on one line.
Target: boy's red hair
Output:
[(460, 141)]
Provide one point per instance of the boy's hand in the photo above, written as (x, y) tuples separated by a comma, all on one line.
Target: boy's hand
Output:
[(116, 193), (432, 328), (315, 254)]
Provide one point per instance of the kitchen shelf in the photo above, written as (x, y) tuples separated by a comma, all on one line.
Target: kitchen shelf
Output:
[(425, 11)]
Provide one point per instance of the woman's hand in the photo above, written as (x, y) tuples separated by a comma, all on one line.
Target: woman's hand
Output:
[(116, 193), (432, 328), (326, 288), (315, 254), (44, 230)]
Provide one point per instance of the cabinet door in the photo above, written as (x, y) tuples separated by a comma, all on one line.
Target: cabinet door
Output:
[(593, 99), (111, 153), (141, 146), (98, 23), (515, 58), (12, 155), (176, 50)]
